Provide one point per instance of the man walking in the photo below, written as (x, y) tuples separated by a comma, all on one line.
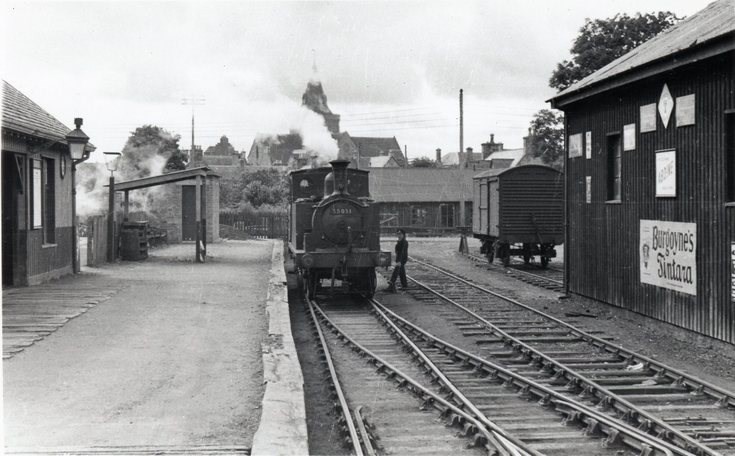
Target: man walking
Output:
[(401, 258)]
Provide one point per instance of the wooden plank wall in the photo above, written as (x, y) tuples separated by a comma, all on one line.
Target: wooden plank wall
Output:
[(96, 240), (604, 238)]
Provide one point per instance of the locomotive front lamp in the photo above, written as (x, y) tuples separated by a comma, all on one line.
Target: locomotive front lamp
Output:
[(77, 140)]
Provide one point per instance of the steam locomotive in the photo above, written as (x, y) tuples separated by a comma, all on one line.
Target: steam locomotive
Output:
[(334, 229)]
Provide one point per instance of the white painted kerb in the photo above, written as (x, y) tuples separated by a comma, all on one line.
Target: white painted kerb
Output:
[(282, 429)]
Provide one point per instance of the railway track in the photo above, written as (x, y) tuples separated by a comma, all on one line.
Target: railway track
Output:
[(681, 409), (550, 278), (497, 411)]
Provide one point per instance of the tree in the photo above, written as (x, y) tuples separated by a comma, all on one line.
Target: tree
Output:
[(601, 41), (423, 162), (547, 137), (262, 187), (151, 150)]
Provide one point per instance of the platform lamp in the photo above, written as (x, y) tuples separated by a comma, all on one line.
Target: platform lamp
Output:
[(111, 161), (79, 152)]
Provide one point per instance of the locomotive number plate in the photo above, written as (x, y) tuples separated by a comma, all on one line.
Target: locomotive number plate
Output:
[(340, 210)]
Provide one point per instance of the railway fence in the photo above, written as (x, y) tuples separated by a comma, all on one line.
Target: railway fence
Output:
[(247, 224)]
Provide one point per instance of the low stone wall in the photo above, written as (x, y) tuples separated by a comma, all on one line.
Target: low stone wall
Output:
[(282, 429)]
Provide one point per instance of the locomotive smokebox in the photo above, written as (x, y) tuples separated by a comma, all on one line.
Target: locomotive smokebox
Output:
[(336, 182)]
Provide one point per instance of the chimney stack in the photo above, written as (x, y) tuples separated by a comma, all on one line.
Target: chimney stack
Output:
[(438, 156)]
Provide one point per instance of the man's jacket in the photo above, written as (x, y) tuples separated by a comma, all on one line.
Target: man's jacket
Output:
[(402, 251)]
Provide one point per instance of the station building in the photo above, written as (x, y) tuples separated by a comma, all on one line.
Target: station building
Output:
[(38, 228), (422, 200), (650, 177)]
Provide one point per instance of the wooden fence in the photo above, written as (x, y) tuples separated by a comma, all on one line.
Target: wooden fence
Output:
[(271, 226), (96, 240)]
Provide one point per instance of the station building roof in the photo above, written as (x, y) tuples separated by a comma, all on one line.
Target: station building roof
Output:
[(420, 185), (23, 115), (711, 28)]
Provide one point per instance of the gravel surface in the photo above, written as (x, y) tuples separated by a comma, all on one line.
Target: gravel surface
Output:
[(172, 359), (707, 358), (321, 418)]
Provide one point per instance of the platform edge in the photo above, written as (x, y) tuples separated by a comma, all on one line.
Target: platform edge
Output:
[(282, 429)]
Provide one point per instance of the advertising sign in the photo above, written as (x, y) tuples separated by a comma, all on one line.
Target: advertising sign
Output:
[(668, 253), (666, 173), (648, 118), (575, 145), (685, 110), (665, 105), (629, 137)]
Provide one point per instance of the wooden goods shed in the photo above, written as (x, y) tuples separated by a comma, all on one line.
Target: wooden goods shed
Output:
[(650, 183)]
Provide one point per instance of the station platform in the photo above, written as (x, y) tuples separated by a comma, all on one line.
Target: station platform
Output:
[(163, 356)]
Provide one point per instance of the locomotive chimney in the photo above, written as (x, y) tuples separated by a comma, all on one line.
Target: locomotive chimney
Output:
[(339, 176)]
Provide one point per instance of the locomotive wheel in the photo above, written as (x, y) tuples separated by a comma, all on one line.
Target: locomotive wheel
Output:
[(544, 261), (371, 282), (312, 281), (300, 280)]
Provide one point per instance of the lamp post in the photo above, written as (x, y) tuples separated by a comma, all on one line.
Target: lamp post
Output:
[(79, 152), (111, 160)]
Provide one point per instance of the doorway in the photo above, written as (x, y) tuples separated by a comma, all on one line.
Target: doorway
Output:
[(10, 190), (188, 213)]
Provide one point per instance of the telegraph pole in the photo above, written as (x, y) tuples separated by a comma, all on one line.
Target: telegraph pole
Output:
[(461, 161)]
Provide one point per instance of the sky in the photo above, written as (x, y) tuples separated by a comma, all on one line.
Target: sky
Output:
[(388, 68)]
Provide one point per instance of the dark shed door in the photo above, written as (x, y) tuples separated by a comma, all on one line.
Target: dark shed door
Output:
[(10, 182), (188, 213)]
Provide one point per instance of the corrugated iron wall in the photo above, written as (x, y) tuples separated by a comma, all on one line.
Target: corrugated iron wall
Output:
[(604, 237)]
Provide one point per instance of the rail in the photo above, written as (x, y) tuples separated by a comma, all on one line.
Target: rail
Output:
[(635, 437), (593, 387)]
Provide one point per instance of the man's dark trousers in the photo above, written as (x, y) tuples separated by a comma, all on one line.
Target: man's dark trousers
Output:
[(399, 270)]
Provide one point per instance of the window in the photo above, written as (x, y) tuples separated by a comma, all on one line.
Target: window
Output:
[(49, 201), (43, 198), (37, 195), (614, 166), (447, 215), (418, 216), (730, 154)]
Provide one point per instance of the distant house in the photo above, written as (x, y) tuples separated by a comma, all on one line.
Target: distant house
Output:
[(277, 150), (220, 157), (452, 158), (38, 230), (382, 162), (359, 149), (505, 158), (422, 200)]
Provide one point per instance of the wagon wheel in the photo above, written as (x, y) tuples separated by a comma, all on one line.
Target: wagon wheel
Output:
[(527, 254), (504, 254), (490, 255), (544, 261)]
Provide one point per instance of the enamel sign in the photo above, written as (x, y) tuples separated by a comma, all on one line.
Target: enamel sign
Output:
[(575, 145), (665, 105), (668, 253), (666, 173)]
